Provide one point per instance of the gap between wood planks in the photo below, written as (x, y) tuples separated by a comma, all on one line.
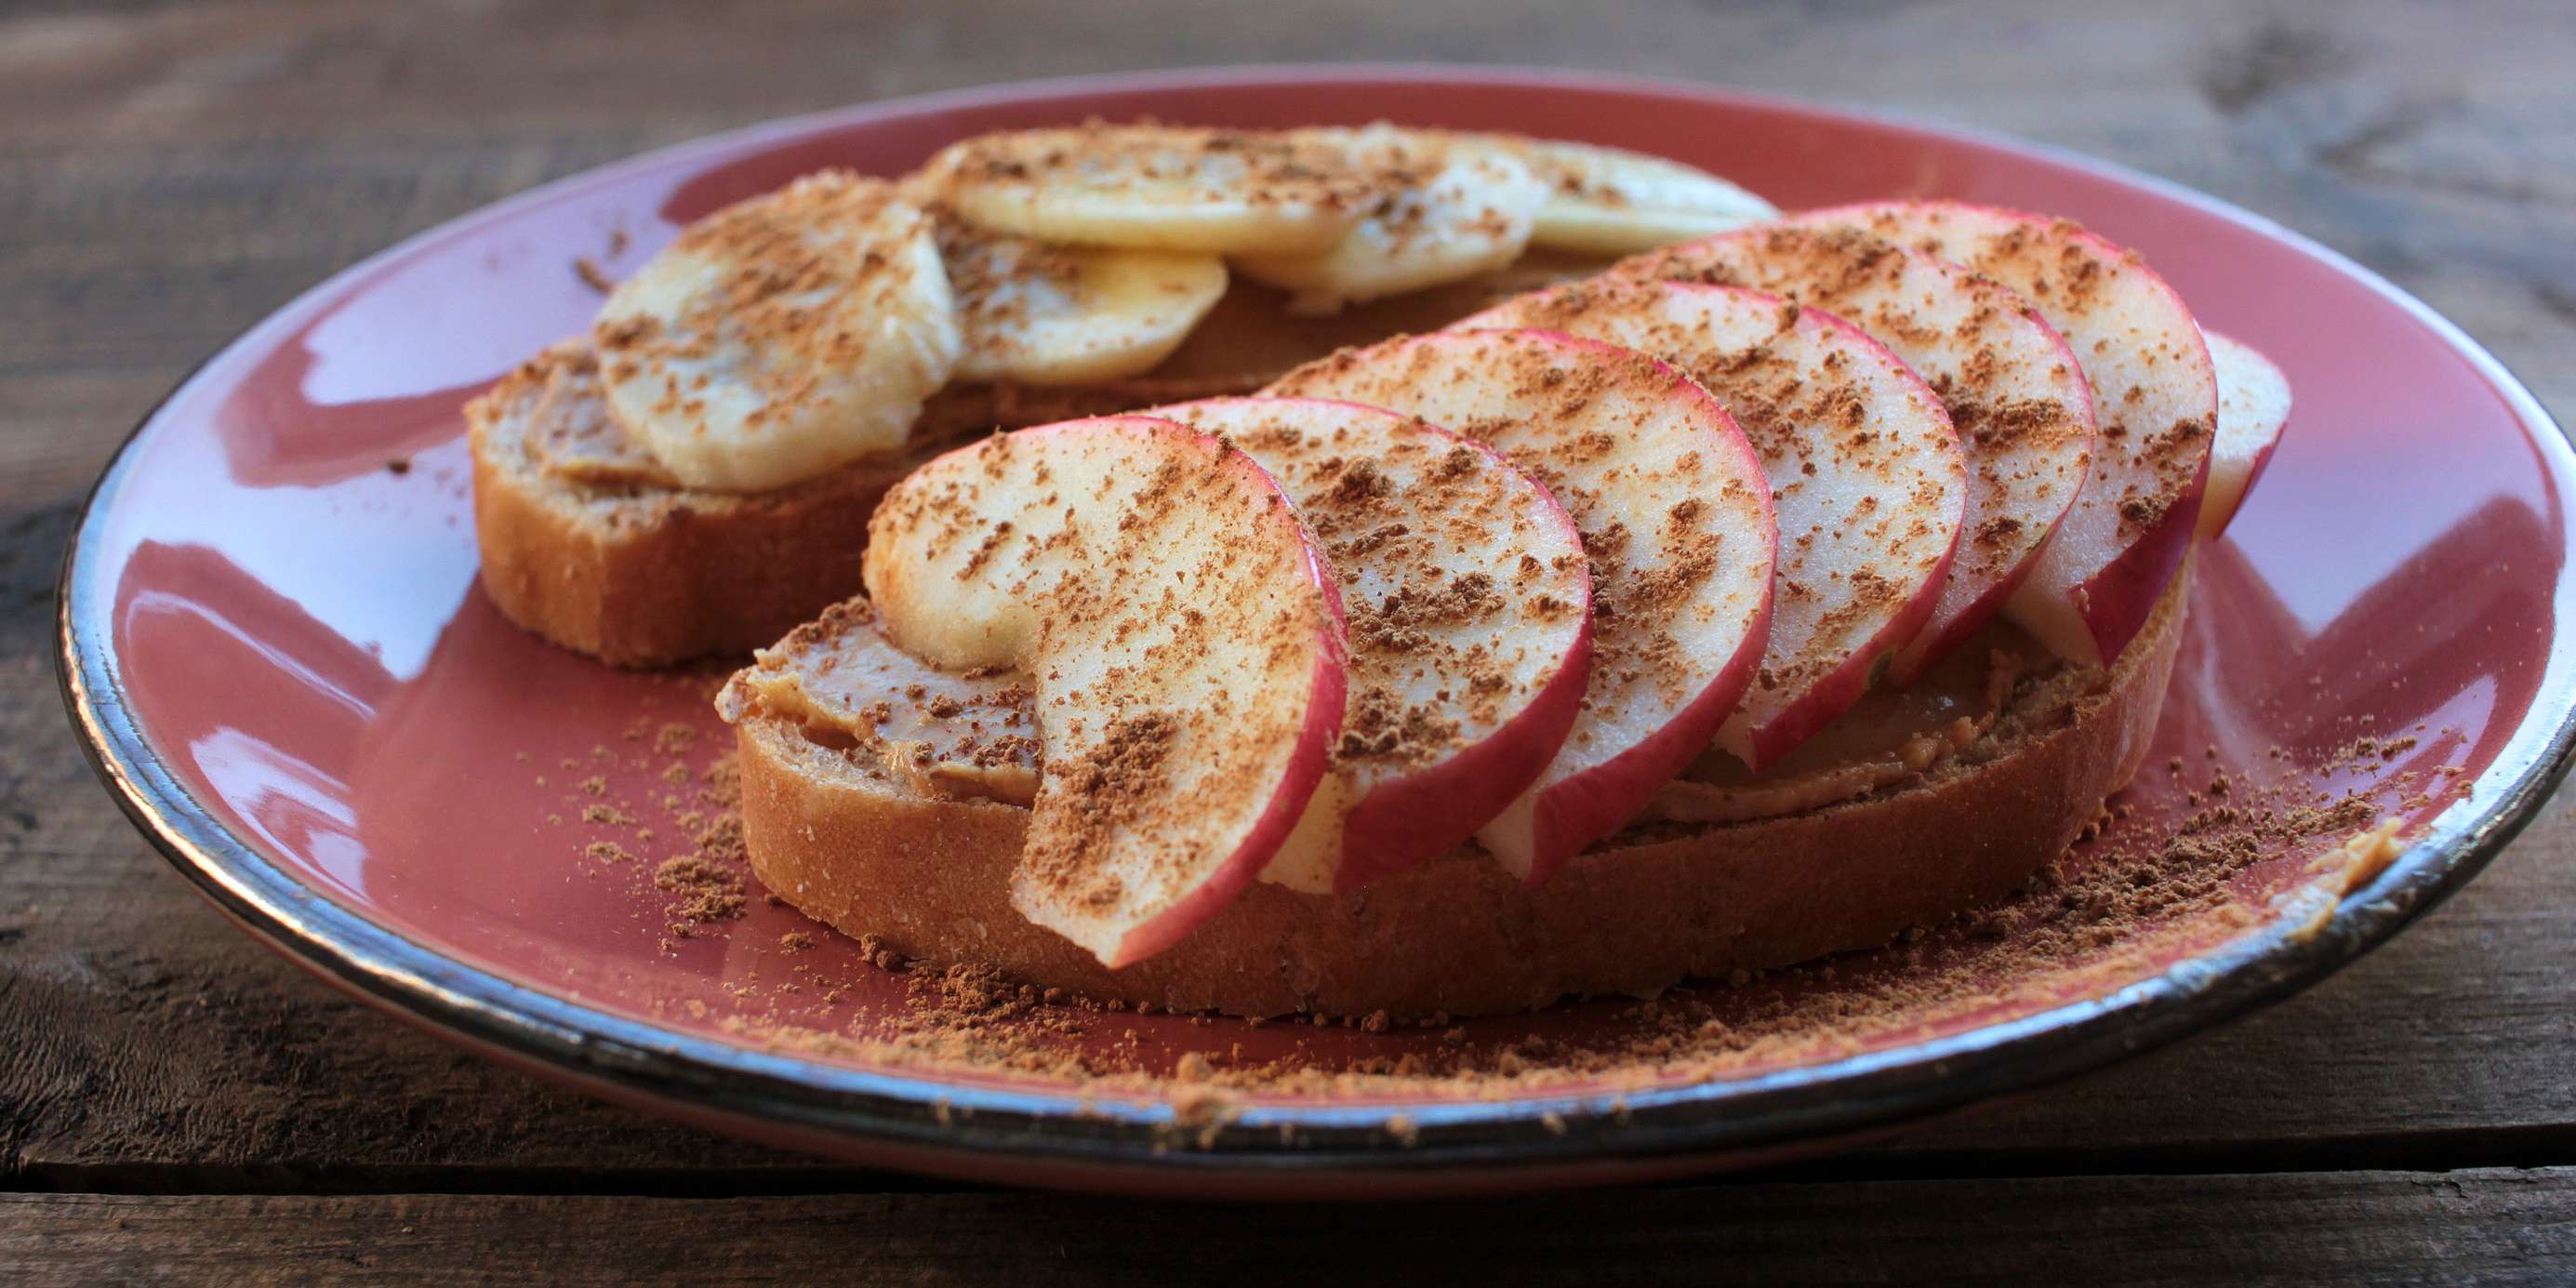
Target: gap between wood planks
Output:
[(2426, 1153), (2489, 1226)]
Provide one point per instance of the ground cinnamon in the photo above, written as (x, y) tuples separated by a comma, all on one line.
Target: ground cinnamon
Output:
[(2122, 901)]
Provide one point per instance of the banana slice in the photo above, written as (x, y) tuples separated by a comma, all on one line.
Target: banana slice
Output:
[(1609, 201), (1460, 206), (1157, 187), (1035, 314), (781, 337)]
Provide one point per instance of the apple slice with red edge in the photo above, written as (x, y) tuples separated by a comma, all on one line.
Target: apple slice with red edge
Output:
[(1676, 524), (2253, 405), (2015, 393), (1469, 606), (2155, 406), (1182, 638), (1865, 475)]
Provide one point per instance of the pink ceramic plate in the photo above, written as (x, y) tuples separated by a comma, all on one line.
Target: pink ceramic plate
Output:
[(273, 643)]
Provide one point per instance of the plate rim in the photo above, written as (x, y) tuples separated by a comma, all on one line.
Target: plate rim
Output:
[(941, 1121)]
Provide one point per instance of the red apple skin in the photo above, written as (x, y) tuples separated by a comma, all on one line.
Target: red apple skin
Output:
[(1413, 820), (1830, 695), (2253, 476), (1572, 813), (1920, 652), (1327, 693), (1404, 822), (2116, 600), (1569, 816), (2213, 523), (1287, 804), (1410, 821), (1834, 694), (1325, 698), (1951, 619)]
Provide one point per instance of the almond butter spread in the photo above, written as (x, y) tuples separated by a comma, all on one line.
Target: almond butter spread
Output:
[(573, 437), (1889, 736), (949, 735), (972, 737)]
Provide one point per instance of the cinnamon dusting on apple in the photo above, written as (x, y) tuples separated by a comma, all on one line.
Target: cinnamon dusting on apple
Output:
[(1108, 791), (2075, 279), (1862, 464), (2021, 413), (1676, 534), (1173, 625)]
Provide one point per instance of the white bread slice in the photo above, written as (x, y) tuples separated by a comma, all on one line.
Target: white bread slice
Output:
[(642, 575), (841, 839)]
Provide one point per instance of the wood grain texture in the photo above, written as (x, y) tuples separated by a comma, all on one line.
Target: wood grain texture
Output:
[(2487, 1227), (170, 173), (175, 171)]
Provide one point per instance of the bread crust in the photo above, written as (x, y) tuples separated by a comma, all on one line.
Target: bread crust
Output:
[(1649, 908), (683, 580), (643, 576)]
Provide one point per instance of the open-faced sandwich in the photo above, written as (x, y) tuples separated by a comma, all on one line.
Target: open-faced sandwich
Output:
[(1467, 627)]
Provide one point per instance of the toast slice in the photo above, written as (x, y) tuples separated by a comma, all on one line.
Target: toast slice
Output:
[(621, 563), (842, 837), (603, 555)]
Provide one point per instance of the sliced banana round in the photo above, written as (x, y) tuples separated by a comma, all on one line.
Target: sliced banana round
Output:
[(1460, 205), (781, 337), (1609, 201), (1036, 314), (1157, 187)]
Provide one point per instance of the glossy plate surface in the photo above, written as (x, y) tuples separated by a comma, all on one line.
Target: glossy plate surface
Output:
[(275, 647)]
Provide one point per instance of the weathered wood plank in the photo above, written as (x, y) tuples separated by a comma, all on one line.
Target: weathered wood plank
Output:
[(2489, 1227), (169, 174)]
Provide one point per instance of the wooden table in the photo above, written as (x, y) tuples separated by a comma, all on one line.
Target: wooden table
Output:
[(176, 1101)]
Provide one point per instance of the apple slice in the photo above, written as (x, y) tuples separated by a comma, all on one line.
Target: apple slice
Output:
[(1863, 467), (2155, 405), (2015, 393), (1676, 523), (1470, 626), (1181, 633), (2253, 405)]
